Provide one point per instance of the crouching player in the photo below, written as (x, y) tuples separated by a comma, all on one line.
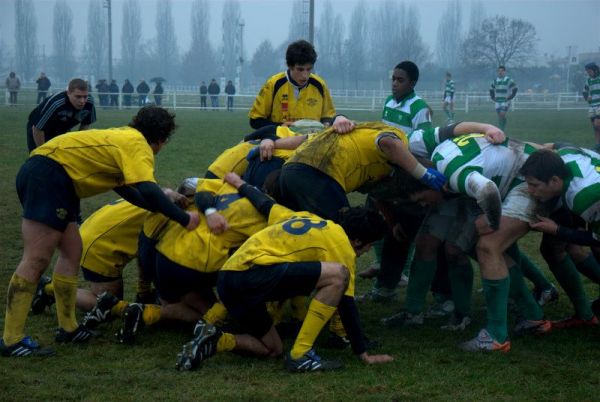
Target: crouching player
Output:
[(298, 253)]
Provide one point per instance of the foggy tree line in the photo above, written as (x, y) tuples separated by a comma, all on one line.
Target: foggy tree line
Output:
[(357, 54)]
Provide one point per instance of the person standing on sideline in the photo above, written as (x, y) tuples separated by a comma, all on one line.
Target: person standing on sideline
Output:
[(127, 91), (158, 91), (13, 84), (203, 93), (113, 88), (448, 102), (142, 90), (214, 90), (61, 112), (293, 94), (230, 91), (502, 91), (591, 93), (43, 84)]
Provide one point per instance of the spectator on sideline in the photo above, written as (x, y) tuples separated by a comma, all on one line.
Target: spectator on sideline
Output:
[(43, 84)]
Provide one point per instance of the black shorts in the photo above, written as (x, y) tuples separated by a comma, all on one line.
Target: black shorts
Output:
[(95, 277), (305, 188), (244, 293), (46, 193), (173, 281), (146, 256)]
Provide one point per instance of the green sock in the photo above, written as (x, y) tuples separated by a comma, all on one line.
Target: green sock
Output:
[(520, 293), (461, 283), (419, 282), (502, 123), (496, 299), (590, 268), (567, 276), (533, 273)]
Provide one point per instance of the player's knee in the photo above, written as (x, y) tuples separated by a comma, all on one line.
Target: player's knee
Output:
[(455, 256), (340, 277)]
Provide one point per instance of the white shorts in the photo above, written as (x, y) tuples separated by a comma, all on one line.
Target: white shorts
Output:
[(449, 99), (518, 204), (594, 112), (502, 106)]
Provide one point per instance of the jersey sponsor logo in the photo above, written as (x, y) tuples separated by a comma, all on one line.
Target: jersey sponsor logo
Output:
[(300, 226), (311, 102)]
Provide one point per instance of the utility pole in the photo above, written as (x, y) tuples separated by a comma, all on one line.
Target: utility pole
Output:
[(107, 5), (311, 23)]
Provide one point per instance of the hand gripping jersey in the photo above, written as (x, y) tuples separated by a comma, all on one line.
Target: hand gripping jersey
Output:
[(296, 237), (279, 100), (100, 160), (202, 250), (460, 157), (110, 237), (353, 159), (582, 195)]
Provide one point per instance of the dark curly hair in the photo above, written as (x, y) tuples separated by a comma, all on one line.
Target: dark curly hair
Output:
[(544, 164), (155, 123), (411, 69), (300, 52), (363, 224)]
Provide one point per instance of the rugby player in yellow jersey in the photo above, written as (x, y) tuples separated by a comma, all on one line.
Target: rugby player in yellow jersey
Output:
[(293, 94), (50, 184), (321, 172), (297, 253)]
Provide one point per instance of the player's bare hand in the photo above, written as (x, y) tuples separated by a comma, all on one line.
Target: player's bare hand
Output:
[(482, 225), (194, 220), (267, 147), (544, 225), (343, 125), (375, 359), (234, 179), (177, 198), (494, 135), (217, 223)]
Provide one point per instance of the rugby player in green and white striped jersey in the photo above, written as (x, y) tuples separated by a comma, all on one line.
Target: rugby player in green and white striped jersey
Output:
[(448, 101), (591, 93), (502, 90)]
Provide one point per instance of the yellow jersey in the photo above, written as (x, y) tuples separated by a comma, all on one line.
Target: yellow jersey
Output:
[(353, 159), (279, 100), (110, 237), (296, 237), (100, 160), (202, 250)]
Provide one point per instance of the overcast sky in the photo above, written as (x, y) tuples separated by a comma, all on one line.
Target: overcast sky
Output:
[(559, 23)]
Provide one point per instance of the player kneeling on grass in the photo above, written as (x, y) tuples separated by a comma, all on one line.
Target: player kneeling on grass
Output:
[(50, 184), (298, 253)]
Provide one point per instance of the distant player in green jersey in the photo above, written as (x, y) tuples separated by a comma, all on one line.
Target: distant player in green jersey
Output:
[(591, 93), (448, 101), (502, 91)]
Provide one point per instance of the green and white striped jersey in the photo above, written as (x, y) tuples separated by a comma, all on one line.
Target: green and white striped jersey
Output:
[(582, 195), (449, 89), (423, 142), (459, 157), (592, 88), (502, 88), (411, 113)]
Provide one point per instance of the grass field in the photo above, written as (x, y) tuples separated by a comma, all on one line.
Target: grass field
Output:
[(428, 366)]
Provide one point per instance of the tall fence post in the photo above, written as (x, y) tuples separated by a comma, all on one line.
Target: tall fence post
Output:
[(467, 103), (174, 100)]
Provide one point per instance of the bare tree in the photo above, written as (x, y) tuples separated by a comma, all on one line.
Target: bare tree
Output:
[(477, 14), (166, 42), (231, 38), (449, 35), (297, 24), (500, 41), (264, 61), (96, 43), (25, 37), (64, 42), (131, 35), (199, 62), (356, 50), (329, 41), (412, 46)]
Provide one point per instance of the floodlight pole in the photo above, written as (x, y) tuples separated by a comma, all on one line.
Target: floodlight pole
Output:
[(107, 4), (311, 22)]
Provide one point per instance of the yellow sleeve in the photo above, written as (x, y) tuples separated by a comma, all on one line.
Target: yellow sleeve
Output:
[(137, 163), (328, 107), (263, 104)]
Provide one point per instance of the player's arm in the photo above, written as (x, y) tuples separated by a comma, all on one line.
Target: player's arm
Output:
[(268, 146), (492, 92), (398, 153), (149, 196), (513, 93), (39, 137), (207, 202), (492, 133), (567, 234), (262, 202), (269, 131), (342, 125), (586, 93), (351, 320), (487, 195)]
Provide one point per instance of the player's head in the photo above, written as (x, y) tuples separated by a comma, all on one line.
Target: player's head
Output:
[(188, 186), (501, 71), (300, 58), (362, 226), (156, 124), (77, 92), (448, 76), (592, 69), (545, 173), (404, 79)]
